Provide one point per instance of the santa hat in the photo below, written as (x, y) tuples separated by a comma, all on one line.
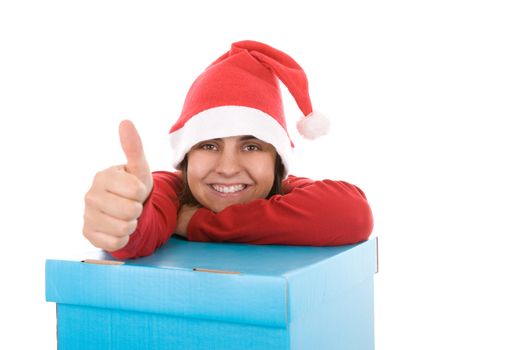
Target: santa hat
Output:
[(239, 94)]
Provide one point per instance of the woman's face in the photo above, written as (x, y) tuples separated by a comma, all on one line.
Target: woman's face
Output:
[(230, 170)]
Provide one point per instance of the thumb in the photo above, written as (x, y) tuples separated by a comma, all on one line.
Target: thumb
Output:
[(132, 146)]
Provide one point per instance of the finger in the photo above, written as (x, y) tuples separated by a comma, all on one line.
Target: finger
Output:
[(98, 221), (119, 182), (132, 147), (104, 241), (114, 205)]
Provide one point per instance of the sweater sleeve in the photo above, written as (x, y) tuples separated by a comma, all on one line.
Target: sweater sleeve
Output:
[(317, 213), (158, 219)]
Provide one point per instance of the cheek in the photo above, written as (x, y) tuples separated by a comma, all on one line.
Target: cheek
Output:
[(263, 170), (197, 169)]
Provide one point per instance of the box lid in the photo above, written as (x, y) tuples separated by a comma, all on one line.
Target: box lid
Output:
[(257, 284)]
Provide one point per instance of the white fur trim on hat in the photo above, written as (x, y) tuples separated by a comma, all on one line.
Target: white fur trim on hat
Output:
[(313, 125), (228, 121)]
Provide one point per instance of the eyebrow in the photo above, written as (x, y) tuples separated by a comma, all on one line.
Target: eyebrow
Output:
[(248, 137), (243, 138)]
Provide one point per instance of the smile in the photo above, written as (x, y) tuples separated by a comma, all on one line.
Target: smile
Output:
[(228, 189)]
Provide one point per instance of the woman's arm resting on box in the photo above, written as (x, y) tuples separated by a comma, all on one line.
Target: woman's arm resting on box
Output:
[(318, 213)]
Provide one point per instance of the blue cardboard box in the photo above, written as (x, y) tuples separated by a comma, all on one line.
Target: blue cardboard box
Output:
[(191, 295)]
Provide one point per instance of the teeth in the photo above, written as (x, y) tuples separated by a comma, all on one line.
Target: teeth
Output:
[(228, 189)]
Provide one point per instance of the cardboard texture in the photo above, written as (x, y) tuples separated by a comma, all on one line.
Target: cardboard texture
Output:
[(191, 295)]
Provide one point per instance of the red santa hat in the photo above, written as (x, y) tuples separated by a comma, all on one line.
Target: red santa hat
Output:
[(239, 94)]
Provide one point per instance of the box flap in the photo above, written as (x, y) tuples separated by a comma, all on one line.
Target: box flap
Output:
[(334, 278), (228, 282)]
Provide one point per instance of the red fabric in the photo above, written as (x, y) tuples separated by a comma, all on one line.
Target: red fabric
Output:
[(317, 213)]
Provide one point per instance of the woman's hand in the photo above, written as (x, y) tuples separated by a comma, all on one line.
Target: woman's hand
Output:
[(183, 219), (114, 202)]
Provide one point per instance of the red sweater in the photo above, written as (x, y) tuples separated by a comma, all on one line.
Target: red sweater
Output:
[(317, 213)]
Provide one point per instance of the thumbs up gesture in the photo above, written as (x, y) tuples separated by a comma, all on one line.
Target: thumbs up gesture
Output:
[(113, 204)]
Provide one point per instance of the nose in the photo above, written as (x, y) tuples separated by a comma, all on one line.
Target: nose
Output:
[(228, 163)]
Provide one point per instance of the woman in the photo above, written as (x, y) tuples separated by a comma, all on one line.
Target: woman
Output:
[(232, 150)]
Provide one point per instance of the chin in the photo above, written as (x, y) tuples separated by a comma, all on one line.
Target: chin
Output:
[(219, 208)]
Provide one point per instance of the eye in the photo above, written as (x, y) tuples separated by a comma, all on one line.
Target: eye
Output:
[(208, 146), (251, 147)]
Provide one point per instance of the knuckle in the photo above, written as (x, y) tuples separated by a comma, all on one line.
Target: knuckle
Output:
[(137, 210), (111, 245), (125, 229), (132, 211), (137, 190), (132, 226), (89, 199), (89, 227), (115, 244), (86, 218), (86, 233), (102, 177), (99, 176)]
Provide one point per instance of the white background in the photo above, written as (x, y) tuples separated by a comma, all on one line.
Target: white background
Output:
[(426, 101)]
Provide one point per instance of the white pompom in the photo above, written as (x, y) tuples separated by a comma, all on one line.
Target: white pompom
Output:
[(313, 125)]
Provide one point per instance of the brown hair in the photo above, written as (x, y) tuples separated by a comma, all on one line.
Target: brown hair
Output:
[(186, 197)]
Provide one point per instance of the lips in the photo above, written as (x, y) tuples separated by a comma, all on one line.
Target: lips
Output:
[(228, 189)]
